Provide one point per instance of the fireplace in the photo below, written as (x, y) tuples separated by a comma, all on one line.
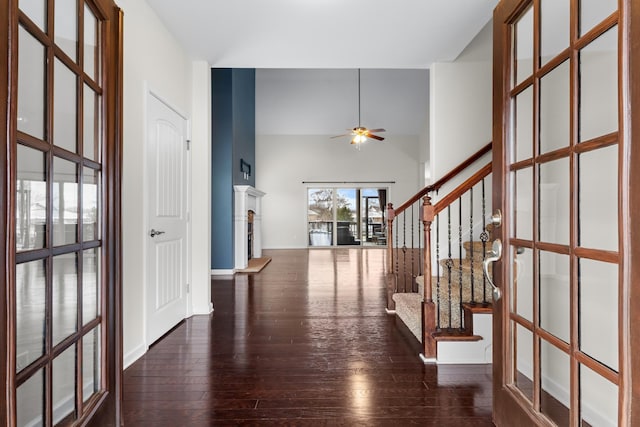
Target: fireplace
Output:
[(250, 216), (247, 223)]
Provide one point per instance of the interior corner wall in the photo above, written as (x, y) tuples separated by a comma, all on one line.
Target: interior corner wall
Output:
[(461, 106), (233, 138), (154, 59)]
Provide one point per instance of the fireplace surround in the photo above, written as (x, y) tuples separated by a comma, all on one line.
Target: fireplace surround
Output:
[(246, 198)]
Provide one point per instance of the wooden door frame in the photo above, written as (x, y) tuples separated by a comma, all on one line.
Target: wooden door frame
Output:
[(5, 83), (629, 225), (108, 410)]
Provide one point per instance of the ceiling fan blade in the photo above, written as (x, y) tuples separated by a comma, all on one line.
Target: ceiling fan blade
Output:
[(376, 130), (340, 136), (379, 138)]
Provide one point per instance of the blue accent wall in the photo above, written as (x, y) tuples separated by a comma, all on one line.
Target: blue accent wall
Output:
[(244, 124), (233, 138)]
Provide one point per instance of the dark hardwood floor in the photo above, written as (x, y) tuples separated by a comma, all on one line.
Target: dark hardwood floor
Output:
[(305, 342)]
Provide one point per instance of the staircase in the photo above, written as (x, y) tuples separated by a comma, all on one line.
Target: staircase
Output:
[(455, 315), (450, 314)]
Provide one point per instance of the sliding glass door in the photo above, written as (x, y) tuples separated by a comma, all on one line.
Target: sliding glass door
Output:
[(346, 216)]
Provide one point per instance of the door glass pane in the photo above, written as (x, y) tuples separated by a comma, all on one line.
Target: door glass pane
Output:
[(592, 12), (554, 201), (524, 46), (91, 56), (346, 216), (64, 386), (31, 84), (554, 294), (65, 296), (320, 216), (522, 283), (36, 10), (555, 109), (598, 399), (90, 205), (554, 34), (66, 26), (64, 108), (31, 280), (31, 199), (556, 383), (523, 352), (89, 128), (599, 311), (598, 204), (91, 364), (65, 202), (372, 215), (523, 204), (599, 86), (523, 147), (90, 281), (30, 401)]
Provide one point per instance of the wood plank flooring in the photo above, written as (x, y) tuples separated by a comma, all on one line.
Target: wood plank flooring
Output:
[(305, 342)]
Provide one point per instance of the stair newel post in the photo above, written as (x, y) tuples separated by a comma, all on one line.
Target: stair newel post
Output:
[(391, 214), (391, 274), (428, 306)]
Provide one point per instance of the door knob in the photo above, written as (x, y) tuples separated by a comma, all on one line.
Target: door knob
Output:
[(494, 255), (154, 233), (496, 218)]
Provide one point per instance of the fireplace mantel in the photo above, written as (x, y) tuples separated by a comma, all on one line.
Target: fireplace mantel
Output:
[(246, 198)]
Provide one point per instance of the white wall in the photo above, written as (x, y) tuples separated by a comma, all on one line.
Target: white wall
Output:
[(461, 105), (285, 161), (153, 59)]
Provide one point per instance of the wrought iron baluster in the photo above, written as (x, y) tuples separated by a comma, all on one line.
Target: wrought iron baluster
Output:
[(396, 250), (404, 250), (438, 326), (473, 297), (460, 258), (484, 237), (449, 261), (413, 275)]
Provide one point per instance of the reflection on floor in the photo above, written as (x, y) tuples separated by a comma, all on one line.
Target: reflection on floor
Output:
[(304, 342)]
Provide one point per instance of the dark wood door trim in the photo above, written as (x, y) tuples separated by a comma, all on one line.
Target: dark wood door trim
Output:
[(5, 57), (502, 414), (630, 298), (106, 407)]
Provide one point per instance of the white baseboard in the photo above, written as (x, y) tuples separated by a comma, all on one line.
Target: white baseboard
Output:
[(203, 309), (134, 355), (219, 272), (428, 360)]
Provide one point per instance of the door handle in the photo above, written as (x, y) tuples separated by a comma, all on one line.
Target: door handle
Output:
[(154, 233), (494, 255)]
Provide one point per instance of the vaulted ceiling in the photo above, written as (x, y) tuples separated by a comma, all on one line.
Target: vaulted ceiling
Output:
[(306, 53), (324, 33)]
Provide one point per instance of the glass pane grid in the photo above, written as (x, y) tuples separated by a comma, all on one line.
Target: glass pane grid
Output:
[(57, 202), (561, 189)]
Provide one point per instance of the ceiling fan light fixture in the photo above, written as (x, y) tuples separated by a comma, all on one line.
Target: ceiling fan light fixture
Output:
[(360, 133), (359, 139)]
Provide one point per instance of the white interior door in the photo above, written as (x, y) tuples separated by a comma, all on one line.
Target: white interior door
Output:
[(167, 221)]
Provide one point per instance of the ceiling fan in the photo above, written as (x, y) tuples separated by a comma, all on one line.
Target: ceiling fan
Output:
[(360, 133)]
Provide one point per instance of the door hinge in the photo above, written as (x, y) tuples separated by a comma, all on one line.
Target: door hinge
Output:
[(188, 144), (188, 288)]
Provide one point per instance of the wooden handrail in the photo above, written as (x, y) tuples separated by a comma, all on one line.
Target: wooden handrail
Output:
[(462, 188), (446, 178)]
